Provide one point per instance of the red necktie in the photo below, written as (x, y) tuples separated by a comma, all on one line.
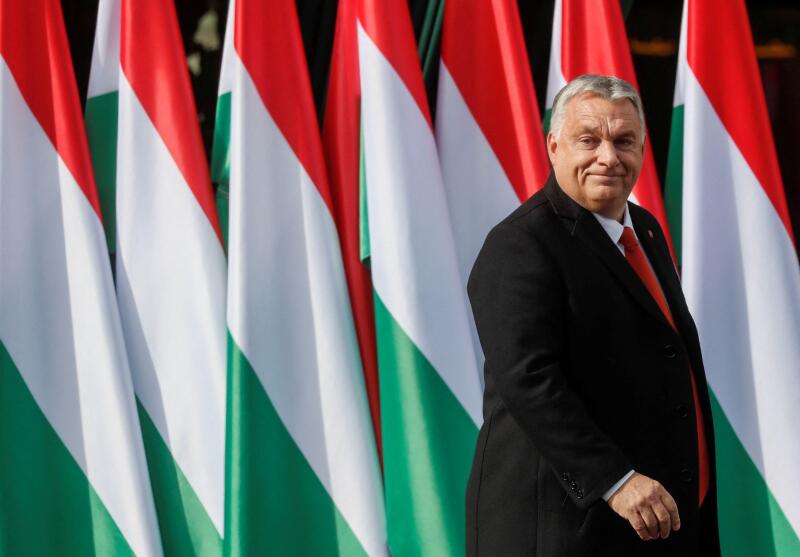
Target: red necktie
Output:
[(637, 260)]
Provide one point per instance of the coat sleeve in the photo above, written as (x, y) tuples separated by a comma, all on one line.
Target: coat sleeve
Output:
[(520, 304)]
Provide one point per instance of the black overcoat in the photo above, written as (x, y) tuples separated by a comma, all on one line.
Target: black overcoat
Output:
[(585, 380)]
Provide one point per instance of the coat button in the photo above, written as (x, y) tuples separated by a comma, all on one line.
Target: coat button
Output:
[(670, 352), (565, 476), (686, 475), (682, 411), (579, 494)]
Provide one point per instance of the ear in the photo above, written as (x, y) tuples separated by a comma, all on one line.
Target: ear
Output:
[(552, 145)]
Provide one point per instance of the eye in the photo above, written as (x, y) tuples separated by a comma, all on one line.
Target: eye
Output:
[(625, 142), (587, 141)]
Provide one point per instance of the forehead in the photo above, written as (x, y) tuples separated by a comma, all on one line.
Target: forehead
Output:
[(592, 110)]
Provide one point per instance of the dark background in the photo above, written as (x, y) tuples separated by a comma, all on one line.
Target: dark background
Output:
[(653, 31)]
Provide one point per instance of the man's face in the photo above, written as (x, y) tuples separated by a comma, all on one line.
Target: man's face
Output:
[(598, 153)]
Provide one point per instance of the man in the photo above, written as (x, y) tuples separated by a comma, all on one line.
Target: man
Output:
[(597, 437)]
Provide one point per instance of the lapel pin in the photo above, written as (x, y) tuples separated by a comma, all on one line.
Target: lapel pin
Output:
[(650, 233)]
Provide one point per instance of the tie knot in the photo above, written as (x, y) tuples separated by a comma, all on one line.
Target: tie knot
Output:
[(628, 239)]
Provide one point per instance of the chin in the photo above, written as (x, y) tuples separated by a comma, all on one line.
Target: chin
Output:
[(607, 194), (607, 203)]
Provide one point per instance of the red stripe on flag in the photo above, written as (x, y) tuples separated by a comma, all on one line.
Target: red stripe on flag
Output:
[(388, 24), (34, 45), (721, 54), (341, 139), (153, 60), (483, 48), (268, 41), (594, 40)]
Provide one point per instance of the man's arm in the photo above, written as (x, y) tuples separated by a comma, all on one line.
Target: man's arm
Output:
[(614, 488), (520, 307)]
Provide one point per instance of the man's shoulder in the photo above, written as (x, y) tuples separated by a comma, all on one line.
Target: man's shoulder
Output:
[(642, 214), (523, 231), (518, 241), (532, 213)]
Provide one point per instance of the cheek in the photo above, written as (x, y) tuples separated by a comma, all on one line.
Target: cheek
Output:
[(632, 161), (584, 163)]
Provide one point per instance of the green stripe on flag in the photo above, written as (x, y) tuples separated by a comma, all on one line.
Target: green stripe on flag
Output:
[(546, 120), (625, 6), (220, 149), (223, 208), (276, 504), (751, 521), (186, 528), (363, 217), (221, 160), (673, 188), (101, 129), (430, 36), (425, 476), (47, 505)]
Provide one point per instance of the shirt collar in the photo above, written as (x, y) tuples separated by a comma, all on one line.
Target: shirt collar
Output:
[(612, 227)]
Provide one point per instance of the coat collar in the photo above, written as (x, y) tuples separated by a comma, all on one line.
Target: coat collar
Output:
[(585, 228)]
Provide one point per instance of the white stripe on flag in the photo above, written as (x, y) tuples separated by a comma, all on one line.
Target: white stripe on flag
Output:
[(680, 75), (555, 75), (226, 74), (290, 315), (742, 284), (479, 194), (414, 268), (104, 74), (171, 287), (59, 313)]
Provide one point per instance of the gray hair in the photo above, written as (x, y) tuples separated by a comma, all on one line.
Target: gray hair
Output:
[(607, 87)]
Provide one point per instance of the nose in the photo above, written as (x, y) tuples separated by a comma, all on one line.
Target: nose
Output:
[(607, 154)]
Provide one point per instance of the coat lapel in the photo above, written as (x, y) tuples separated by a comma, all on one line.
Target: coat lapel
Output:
[(588, 230), (665, 272)]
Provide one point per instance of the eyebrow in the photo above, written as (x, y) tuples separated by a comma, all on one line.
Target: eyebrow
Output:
[(596, 129), (585, 128)]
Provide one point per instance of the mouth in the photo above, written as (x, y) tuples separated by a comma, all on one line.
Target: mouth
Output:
[(606, 178)]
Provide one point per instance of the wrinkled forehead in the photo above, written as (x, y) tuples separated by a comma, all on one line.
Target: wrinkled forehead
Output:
[(592, 111)]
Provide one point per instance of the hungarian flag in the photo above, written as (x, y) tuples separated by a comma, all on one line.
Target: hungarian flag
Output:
[(220, 148), (740, 275), (170, 264), (343, 155), (73, 477), (589, 37), (488, 130), (429, 378), (302, 470)]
